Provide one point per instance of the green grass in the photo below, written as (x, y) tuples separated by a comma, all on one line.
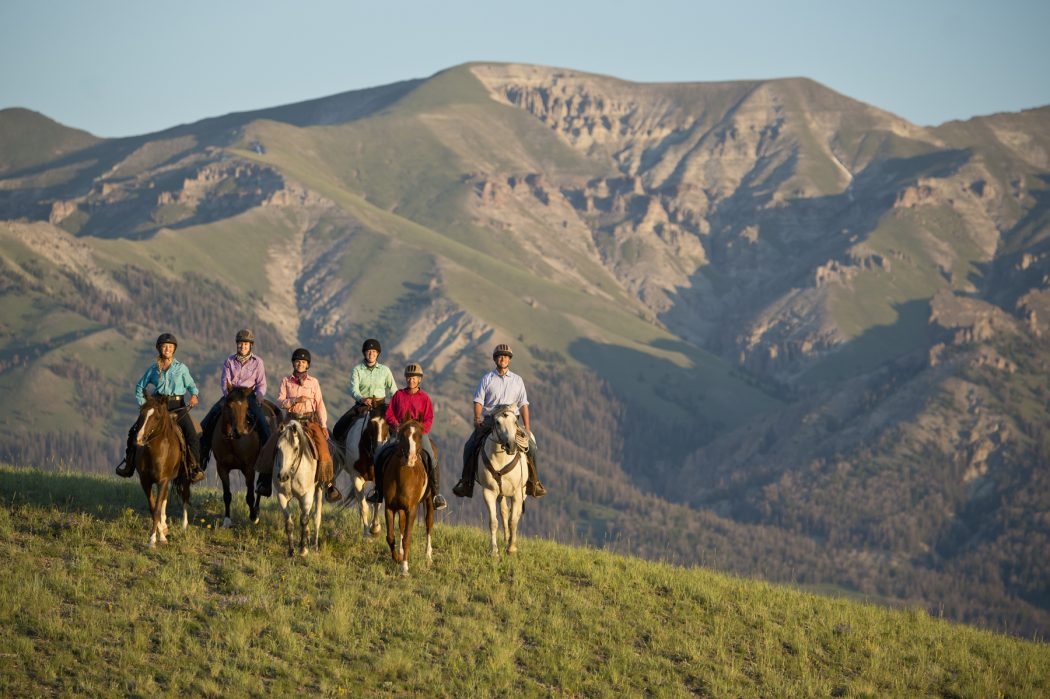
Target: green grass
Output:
[(88, 610)]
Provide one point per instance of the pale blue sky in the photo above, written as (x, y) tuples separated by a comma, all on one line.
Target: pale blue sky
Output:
[(127, 67)]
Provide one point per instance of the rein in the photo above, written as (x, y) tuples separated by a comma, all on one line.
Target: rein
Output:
[(498, 475), (298, 456)]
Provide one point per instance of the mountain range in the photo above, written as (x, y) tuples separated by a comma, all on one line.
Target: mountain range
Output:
[(765, 327)]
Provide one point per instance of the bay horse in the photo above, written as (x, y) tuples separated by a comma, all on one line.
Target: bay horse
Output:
[(159, 460), (356, 457), (235, 445), (405, 486), (502, 471), (294, 478)]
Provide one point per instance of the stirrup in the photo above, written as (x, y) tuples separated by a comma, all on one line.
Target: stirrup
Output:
[(439, 502), (535, 489), (332, 494), (375, 497), (463, 489)]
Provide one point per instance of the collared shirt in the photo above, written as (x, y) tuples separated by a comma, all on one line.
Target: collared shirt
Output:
[(494, 390), (374, 381), (249, 374), (293, 387), (408, 406), (173, 381)]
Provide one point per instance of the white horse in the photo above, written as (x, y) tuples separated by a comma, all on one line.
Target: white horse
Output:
[(502, 471), (294, 476), (349, 459)]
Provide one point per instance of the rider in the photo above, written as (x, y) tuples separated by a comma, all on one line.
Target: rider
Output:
[(300, 395), (410, 403), (241, 369), (171, 379), (501, 386), (370, 383)]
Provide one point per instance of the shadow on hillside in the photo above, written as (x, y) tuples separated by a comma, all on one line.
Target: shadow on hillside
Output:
[(71, 492)]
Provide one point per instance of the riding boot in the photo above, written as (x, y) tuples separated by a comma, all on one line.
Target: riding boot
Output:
[(126, 468), (264, 486), (331, 493), (196, 473), (435, 485), (533, 487), (376, 496), (465, 487)]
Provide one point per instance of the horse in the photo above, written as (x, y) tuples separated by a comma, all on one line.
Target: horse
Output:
[(502, 471), (235, 445), (355, 456), (159, 459), (294, 477), (405, 486)]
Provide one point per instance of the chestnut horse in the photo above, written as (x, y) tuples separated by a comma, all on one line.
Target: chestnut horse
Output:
[(355, 457), (502, 471), (159, 460), (405, 485), (235, 445), (294, 475)]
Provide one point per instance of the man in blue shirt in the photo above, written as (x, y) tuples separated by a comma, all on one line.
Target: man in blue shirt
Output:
[(501, 386)]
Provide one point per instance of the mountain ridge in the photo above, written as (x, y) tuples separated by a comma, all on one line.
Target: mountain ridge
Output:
[(766, 301)]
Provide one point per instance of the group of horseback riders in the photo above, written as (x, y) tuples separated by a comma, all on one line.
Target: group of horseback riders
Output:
[(371, 383)]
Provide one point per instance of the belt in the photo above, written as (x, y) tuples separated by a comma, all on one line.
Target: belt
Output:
[(170, 399)]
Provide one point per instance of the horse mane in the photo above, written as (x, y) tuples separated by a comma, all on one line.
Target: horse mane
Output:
[(239, 392)]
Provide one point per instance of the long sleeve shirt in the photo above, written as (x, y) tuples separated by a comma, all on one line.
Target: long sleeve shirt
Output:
[(292, 387), (371, 382), (494, 390), (249, 374), (410, 406), (173, 381)]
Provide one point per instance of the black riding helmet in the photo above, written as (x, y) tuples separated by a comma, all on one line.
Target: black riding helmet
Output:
[(166, 338), (371, 343), (301, 353)]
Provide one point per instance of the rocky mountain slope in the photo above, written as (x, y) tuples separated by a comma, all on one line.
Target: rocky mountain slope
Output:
[(766, 327)]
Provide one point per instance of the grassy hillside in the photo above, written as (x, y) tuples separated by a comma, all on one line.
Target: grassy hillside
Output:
[(89, 610)]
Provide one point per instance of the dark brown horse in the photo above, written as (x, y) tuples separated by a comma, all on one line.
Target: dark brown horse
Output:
[(356, 457), (405, 485), (159, 459), (235, 445)]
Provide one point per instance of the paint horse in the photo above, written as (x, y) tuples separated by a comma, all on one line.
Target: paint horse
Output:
[(356, 457), (159, 459), (502, 471), (294, 478), (405, 486)]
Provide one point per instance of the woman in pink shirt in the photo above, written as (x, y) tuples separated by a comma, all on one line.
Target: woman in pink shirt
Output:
[(410, 403), (300, 395)]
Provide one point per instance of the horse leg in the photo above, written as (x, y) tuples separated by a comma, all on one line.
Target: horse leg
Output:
[(512, 526), (184, 496), (227, 495), (408, 519), (490, 502), (429, 502), (394, 553), (151, 499), (306, 506), (161, 517), (251, 497), (505, 514), (318, 502)]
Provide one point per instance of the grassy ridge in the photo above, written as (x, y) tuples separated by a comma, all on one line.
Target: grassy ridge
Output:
[(89, 610)]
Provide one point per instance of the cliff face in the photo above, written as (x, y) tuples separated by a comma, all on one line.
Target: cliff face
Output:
[(754, 218)]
